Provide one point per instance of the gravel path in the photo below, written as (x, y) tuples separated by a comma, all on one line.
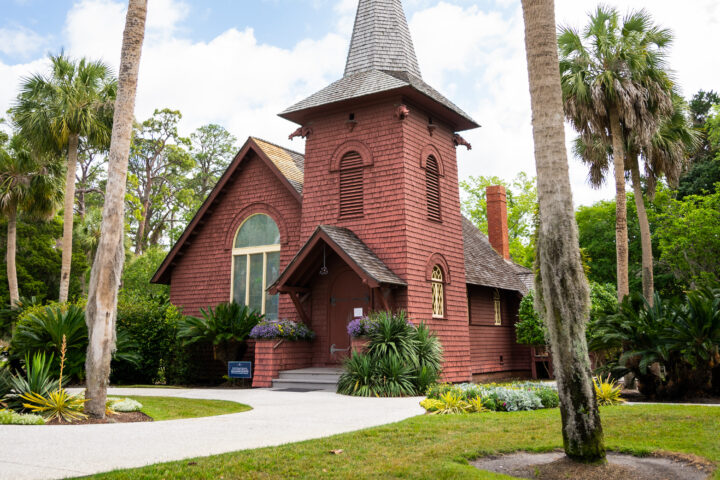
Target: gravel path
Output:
[(278, 417)]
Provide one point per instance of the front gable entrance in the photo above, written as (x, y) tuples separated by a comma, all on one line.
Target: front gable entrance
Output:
[(349, 296)]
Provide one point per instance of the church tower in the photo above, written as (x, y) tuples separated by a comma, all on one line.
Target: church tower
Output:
[(380, 162)]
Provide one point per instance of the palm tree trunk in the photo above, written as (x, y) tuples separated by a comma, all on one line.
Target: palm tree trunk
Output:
[(621, 234), (10, 256), (563, 294), (645, 238), (69, 207), (101, 310)]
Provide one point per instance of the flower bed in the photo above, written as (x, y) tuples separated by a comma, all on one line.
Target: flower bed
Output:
[(285, 329), (470, 397)]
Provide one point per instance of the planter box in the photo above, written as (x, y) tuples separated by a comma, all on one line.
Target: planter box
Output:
[(273, 356), (359, 344)]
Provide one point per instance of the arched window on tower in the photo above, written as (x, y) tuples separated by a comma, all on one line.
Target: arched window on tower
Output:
[(351, 185), (256, 264), (432, 188), (438, 294)]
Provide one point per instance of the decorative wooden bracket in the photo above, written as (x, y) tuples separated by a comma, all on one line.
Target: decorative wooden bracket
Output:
[(431, 128), (458, 140), (381, 296), (351, 124), (402, 112), (299, 308), (302, 132)]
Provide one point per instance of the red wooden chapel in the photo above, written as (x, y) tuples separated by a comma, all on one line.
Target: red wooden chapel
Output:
[(367, 219)]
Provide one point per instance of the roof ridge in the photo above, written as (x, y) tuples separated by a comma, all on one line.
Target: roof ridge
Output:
[(278, 146)]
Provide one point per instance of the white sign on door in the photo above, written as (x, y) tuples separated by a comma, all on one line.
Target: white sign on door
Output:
[(358, 312)]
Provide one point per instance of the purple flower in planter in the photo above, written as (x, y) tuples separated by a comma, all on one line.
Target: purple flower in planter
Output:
[(268, 329)]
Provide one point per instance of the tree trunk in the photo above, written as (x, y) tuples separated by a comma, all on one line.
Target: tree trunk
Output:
[(143, 225), (10, 256), (563, 294), (68, 218), (621, 234), (101, 310), (645, 237)]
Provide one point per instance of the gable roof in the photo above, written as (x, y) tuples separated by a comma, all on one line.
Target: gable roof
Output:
[(381, 59), (287, 165), (484, 266), (381, 39), (350, 248)]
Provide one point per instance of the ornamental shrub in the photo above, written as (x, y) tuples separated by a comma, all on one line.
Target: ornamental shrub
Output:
[(9, 417), (287, 329), (125, 405), (509, 397), (401, 359)]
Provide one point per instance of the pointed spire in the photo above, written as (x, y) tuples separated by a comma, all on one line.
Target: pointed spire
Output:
[(381, 39)]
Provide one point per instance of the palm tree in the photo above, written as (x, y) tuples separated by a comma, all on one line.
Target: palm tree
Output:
[(101, 310), (57, 112), (614, 79), (30, 186), (561, 286), (666, 155)]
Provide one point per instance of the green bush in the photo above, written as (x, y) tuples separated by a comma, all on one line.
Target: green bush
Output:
[(498, 397), (42, 328), (672, 347), (150, 323), (8, 417), (401, 359), (226, 327)]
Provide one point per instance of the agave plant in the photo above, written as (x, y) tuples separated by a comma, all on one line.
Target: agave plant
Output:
[(38, 380), (57, 404), (607, 391), (227, 326)]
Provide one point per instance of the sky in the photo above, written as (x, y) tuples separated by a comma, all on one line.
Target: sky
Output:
[(240, 62)]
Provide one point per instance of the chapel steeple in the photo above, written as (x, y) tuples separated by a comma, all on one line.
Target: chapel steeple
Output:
[(381, 62), (381, 39)]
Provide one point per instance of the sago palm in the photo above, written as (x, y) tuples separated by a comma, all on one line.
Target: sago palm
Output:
[(28, 185), (614, 77), (73, 104)]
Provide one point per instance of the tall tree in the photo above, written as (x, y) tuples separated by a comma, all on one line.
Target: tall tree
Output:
[(212, 148), (58, 112), (613, 78), (561, 285), (101, 310), (704, 171), (521, 207), (159, 165), (90, 174), (30, 186)]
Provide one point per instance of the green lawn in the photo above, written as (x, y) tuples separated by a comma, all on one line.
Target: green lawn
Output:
[(174, 408), (437, 447)]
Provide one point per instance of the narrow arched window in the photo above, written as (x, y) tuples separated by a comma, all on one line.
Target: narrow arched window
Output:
[(498, 310), (351, 185), (256, 264), (438, 295), (432, 188)]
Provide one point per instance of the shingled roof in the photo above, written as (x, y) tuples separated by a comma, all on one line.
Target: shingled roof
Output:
[(381, 59), (485, 267), (290, 163), (349, 247)]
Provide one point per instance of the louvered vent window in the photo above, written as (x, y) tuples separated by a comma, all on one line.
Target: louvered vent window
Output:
[(432, 185), (351, 185)]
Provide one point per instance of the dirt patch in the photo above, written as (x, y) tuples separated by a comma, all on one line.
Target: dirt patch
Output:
[(129, 417), (556, 466)]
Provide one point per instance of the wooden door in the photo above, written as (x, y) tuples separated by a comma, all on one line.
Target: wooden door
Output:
[(347, 294)]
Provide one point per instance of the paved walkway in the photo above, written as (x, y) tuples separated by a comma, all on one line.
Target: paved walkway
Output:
[(48, 452)]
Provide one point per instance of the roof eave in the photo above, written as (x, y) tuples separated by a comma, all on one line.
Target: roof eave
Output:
[(456, 120)]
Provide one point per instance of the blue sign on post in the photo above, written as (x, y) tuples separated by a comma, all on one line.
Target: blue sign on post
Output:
[(240, 369)]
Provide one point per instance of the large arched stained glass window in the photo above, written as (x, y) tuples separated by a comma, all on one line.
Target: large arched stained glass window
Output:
[(256, 264)]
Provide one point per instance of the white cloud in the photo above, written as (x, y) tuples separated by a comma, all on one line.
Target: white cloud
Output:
[(20, 41), (475, 55)]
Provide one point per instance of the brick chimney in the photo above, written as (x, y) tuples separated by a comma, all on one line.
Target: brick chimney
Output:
[(497, 220)]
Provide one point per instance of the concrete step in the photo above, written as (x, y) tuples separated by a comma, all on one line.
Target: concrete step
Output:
[(315, 378), (304, 384), (311, 374)]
